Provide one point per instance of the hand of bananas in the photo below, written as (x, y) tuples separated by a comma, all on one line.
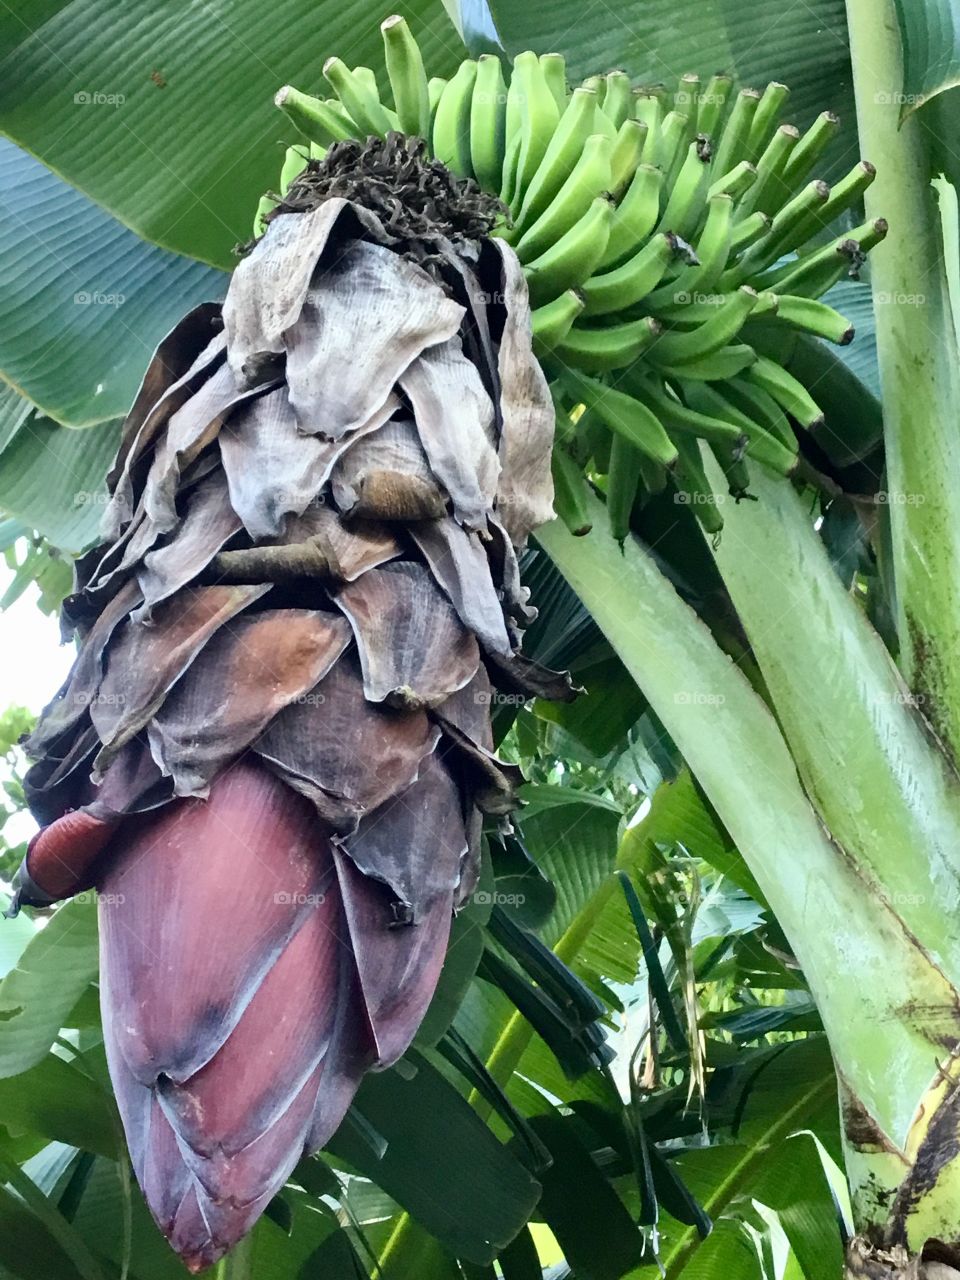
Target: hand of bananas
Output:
[(669, 242)]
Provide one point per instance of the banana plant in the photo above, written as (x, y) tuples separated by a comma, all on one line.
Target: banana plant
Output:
[(774, 576)]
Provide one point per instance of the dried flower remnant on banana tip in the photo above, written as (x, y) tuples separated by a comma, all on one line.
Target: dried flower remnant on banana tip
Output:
[(274, 753)]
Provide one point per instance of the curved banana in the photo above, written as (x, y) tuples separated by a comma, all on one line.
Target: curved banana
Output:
[(552, 322), (451, 125), (488, 122), (713, 252), (811, 147), (679, 348), (735, 183), (589, 178), (625, 416), (694, 489), (815, 317), (647, 109), (613, 347), (790, 227), (764, 123), (681, 419), (618, 99), (627, 285), (574, 257), (723, 364), (358, 100), (554, 68), (671, 144), (539, 116), (748, 232), (314, 118), (636, 215), (759, 407), (623, 480), (685, 202), (847, 192), (713, 103), (569, 138), (627, 152), (734, 140), (770, 190), (407, 76), (790, 394), (569, 492), (757, 442)]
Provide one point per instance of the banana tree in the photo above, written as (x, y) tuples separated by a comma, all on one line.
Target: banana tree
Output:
[(674, 245)]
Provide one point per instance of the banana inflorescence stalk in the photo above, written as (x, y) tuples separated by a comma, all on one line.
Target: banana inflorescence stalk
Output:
[(667, 240)]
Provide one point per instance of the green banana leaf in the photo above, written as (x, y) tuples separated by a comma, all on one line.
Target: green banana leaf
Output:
[(930, 30)]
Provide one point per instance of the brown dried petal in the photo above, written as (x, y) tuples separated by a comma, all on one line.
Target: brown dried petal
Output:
[(145, 660), (454, 417), (459, 563), (413, 649), (352, 750), (365, 318), (208, 523), (386, 476), (243, 677), (272, 468)]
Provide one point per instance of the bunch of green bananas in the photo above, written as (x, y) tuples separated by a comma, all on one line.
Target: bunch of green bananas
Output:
[(669, 241)]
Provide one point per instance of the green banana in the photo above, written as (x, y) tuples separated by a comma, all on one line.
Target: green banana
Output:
[(685, 202), (740, 179), (749, 231), (554, 68), (790, 394), (552, 323), (407, 76), (265, 206), (712, 104), (360, 103), (627, 151), (751, 406), (294, 163), (770, 191), (435, 88), (758, 442), (488, 122), (625, 286), (597, 85), (677, 348), (815, 317), (681, 419), (451, 126), (736, 471), (589, 178), (723, 364), (734, 141), (713, 249), (687, 95), (574, 257), (613, 347), (790, 226), (693, 487), (570, 492), (623, 481), (625, 416), (636, 215), (811, 147), (647, 109), (618, 99), (569, 138), (764, 123), (671, 144), (539, 117), (847, 192), (314, 118)]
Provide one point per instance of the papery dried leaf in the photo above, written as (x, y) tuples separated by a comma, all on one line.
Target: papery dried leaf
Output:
[(333, 740), (365, 318), (269, 286), (136, 443), (351, 548), (459, 564), (208, 523), (147, 659), (525, 494), (454, 417), (272, 468), (189, 431), (414, 650), (386, 476), (468, 747), (76, 696), (273, 657)]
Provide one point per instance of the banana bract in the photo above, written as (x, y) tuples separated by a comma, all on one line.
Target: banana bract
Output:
[(273, 756), (671, 241)]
